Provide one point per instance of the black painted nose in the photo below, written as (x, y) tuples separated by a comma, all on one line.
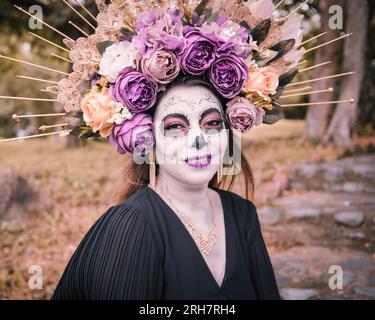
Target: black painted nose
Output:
[(199, 142)]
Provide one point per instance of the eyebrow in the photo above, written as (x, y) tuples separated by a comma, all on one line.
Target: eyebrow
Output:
[(183, 116), (176, 114)]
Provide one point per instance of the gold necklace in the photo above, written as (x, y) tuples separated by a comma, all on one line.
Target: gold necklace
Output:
[(204, 241)]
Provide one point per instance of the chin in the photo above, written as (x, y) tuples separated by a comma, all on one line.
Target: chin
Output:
[(195, 176)]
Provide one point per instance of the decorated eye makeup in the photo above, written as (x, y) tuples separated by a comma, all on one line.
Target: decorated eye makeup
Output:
[(175, 125), (211, 121)]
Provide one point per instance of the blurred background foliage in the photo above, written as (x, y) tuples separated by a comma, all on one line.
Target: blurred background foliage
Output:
[(17, 42)]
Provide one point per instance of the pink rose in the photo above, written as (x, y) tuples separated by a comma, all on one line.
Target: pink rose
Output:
[(243, 115), (261, 80), (97, 109), (161, 66)]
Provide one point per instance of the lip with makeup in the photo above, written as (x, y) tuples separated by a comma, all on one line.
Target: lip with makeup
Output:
[(199, 161)]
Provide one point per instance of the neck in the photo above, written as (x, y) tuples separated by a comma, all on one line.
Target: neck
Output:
[(184, 195)]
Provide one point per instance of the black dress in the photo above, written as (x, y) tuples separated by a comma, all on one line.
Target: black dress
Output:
[(140, 249)]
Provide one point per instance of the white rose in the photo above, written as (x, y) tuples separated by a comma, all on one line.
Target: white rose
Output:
[(117, 57), (210, 28), (121, 113), (229, 30)]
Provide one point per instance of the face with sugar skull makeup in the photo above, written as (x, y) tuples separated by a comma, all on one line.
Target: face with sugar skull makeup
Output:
[(190, 134)]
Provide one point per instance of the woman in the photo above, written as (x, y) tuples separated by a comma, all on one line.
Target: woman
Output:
[(180, 237)]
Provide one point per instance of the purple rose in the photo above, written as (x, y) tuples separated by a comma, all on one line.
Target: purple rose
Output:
[(134, 89), (243, 115), (144, 19), (233, 38), (133, 135), (239, 48), (222, 19), (176, 16), (159, 30), (228, 74), (198, 53), (161, 66)]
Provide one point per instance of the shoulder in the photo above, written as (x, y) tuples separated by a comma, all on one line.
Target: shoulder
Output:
[(238, 201), (127, 209), (244, 210), (119, 219), (115, 254), (117, 232)]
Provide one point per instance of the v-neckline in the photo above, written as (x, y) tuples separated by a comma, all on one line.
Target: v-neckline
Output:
[(194, 245)]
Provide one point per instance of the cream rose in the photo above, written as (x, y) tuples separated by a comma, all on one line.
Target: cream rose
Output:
[(98, 111), (261, 80)]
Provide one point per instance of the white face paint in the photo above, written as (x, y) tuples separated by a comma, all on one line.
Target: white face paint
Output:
[(189, 122)]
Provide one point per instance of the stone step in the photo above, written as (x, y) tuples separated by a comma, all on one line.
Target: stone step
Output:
[(353, 175), (349, 209), (304, 272)]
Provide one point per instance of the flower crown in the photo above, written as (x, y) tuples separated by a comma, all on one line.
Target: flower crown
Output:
[(139, 47), (142, 58)]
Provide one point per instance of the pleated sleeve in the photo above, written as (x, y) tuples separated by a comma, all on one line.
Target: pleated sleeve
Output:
[(117, 259), (261, 270)]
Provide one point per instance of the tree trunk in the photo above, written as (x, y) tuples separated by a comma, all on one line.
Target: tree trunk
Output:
[(318, 116), (344, 118)]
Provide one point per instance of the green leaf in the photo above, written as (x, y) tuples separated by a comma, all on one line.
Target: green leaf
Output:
[(260, 31), (127, 32), (274, 115), (244, 24), (212, 17), (85, 87), (287, 77), (101, 46), (263, 57), (201, 7), (282, 48), (83, 132), (74, 119), (76, 131)]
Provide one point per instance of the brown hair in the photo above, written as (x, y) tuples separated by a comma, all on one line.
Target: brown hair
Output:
[(135, 176)]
